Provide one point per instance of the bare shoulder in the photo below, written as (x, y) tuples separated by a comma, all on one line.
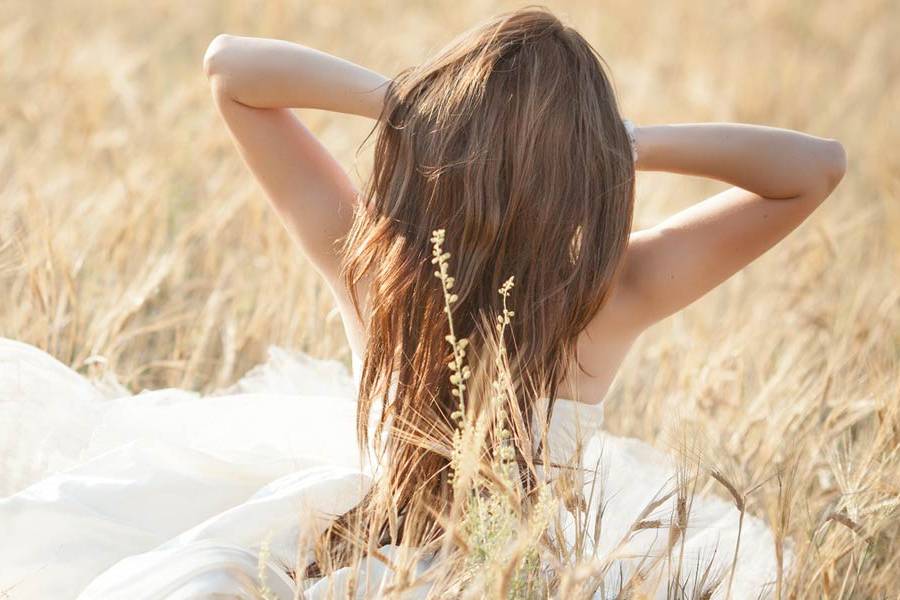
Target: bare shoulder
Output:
[(621, 319), (605, 342)]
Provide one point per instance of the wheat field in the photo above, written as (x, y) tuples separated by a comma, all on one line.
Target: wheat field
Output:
[(134, 245)]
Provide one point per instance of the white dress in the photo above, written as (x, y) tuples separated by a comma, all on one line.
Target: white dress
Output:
[(171, 494)]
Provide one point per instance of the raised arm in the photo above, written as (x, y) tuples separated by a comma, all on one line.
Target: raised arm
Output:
[(779, 176), (255, 82)]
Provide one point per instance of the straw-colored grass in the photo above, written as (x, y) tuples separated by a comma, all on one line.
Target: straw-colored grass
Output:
[(134, 242)]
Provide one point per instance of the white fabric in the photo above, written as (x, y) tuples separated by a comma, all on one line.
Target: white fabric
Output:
[(170, 494)]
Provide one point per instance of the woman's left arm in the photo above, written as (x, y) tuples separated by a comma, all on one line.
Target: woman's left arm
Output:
[(255, 82), (269, 73)]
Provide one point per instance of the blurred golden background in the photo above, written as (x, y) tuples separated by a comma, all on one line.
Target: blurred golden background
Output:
[(134, 243)]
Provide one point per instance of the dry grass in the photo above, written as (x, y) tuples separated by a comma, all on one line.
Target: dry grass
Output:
[(132, 232)]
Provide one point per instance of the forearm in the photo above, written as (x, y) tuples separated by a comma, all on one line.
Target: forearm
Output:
[(771, 162), (269, 73)]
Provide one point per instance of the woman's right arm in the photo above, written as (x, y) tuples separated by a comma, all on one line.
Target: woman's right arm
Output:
[(779, 178)]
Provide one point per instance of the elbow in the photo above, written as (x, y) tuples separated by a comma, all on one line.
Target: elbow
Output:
[(216, 57), (827, 171), (835, 163)]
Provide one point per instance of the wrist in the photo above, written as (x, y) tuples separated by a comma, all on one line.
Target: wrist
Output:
[(630, 130), (648, 140)]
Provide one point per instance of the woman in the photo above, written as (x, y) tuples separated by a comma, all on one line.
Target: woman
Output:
[(510, 140)]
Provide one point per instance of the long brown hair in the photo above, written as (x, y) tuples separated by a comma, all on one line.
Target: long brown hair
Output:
[(511, 140)]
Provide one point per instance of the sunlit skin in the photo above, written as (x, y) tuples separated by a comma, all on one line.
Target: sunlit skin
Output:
[(777, 179)]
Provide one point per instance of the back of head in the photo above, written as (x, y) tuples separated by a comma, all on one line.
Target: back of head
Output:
[(510, 140)]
